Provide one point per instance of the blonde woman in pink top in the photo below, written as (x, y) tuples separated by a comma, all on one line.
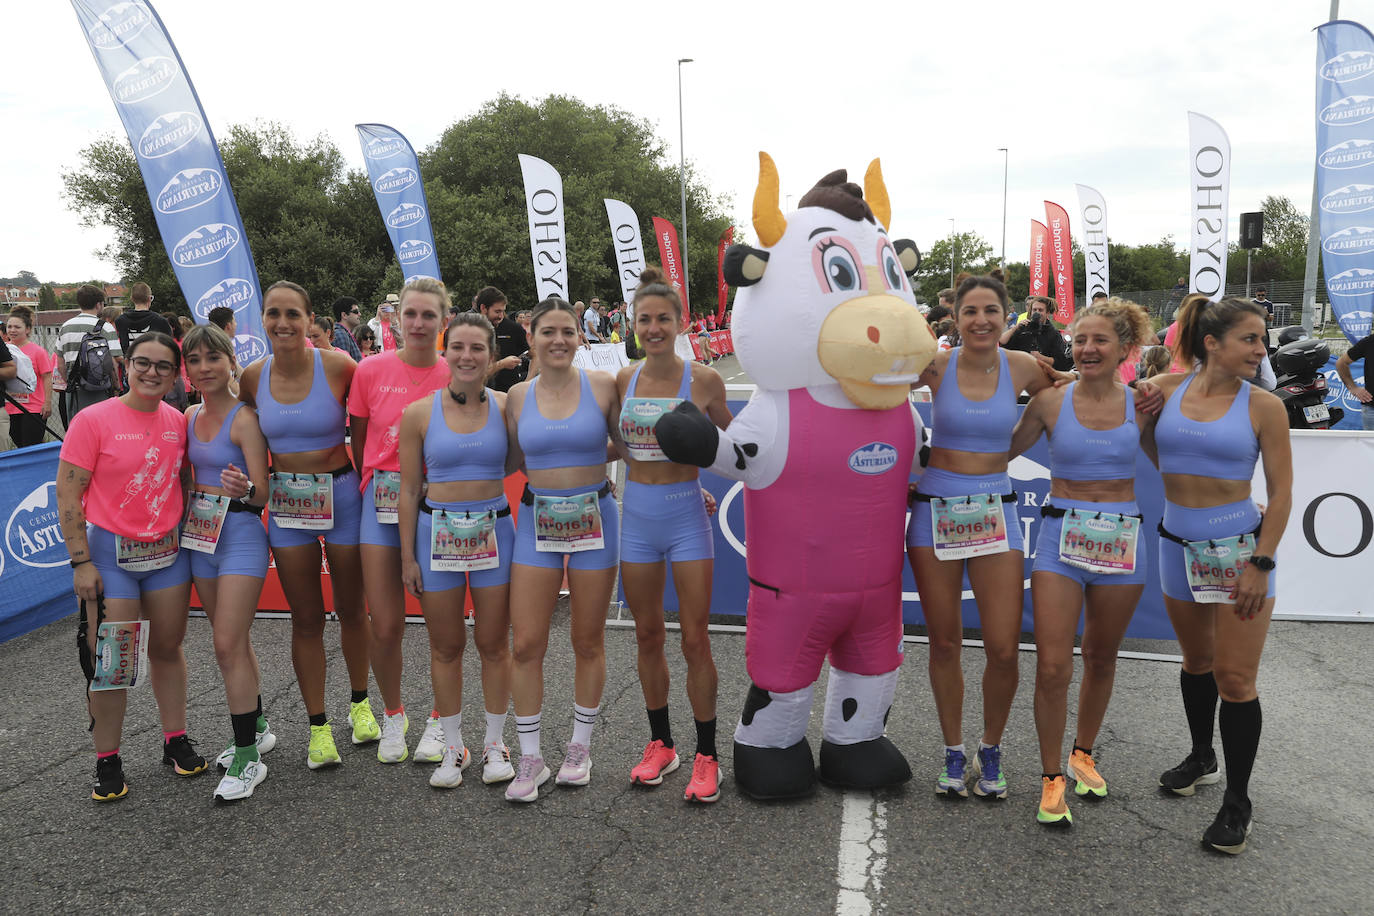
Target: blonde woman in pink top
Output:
[(121, 486), (382, 388)]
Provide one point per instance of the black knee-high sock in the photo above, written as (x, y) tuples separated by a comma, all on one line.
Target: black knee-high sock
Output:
[(1200, 705), (659, 729), (1240, 733), (706, 737)]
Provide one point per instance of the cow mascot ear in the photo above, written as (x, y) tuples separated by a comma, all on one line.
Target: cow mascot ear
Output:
[(743, 265), (909, 256)]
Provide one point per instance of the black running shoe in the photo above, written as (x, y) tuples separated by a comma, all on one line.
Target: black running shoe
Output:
[(180, 752), (109, 779), (1196, 770), (1229, 831)]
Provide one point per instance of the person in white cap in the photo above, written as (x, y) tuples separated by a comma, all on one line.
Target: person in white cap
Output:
[(387, 309)]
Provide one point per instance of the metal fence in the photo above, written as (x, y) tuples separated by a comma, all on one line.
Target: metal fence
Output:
[(1286, 296)]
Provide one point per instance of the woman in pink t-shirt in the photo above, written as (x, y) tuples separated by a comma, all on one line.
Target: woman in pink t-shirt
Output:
[(382, 388), (121, 486), (27, 428)]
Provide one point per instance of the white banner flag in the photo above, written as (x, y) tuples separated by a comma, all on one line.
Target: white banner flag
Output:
[(1209, 180), (1092, 235), (548, 244), (629, 250)]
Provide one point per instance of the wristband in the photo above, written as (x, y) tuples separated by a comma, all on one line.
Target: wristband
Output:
[(76, 563)]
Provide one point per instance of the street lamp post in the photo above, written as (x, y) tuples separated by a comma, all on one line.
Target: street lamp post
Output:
[(952, 243), (1005, 156), (682, 170)]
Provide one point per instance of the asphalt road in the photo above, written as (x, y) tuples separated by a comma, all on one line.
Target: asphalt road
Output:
[(366, 836)]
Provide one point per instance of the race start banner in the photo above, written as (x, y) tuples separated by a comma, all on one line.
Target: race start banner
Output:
[(548, 243), (722, 288), (629, 251), (394, 172), (668, 250), (1039, 259), (1060, 250), (195, 210), (1345, 171), (1209, 187), (1093, 237)]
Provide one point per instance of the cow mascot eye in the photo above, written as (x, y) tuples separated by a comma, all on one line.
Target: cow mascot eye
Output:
[(892, 268), (837, 266)]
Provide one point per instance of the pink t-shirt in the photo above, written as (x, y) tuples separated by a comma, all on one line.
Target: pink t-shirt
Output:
[(135, 460), (382, 388), (42, 365)]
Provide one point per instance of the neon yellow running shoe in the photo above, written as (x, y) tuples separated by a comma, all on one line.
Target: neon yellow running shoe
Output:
[(365, 727), (1054, 811), (323, 753)]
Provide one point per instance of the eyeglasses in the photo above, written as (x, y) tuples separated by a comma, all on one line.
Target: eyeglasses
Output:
[(162, 367), (355, 311)]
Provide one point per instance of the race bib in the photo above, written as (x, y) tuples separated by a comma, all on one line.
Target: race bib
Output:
[(146, 556), (304, 501), (968, 526), (386, 495), (204, 521), (637, 422), (567, 524), (1214, 566), (121, 654), (1100, 542), (463, 543)]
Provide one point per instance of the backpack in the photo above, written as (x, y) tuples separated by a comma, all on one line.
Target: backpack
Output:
[(25, 380), (93, 369)]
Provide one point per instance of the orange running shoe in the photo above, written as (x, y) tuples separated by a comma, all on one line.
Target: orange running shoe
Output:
[(1054, 811), (1086, 778), (658, 761), (705, 784)]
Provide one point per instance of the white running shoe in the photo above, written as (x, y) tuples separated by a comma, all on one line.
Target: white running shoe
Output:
[(577, 766), (431, 746), (392, 748), (496, 766), (234, 787), (449, 773), (266, 740)]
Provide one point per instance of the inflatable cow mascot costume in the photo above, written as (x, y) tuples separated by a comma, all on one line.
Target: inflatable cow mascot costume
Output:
[(827, 326)]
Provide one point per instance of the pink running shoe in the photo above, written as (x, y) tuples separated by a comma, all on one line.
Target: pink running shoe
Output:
[(705, 784), (531, 775), (577, 766), (658, 761)]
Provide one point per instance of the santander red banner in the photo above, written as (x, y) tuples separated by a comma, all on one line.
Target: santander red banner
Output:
[(1039, 274), (722, 288), (1061, 260), (669, 251)]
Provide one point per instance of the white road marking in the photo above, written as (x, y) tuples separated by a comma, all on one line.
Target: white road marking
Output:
[(863, 854)]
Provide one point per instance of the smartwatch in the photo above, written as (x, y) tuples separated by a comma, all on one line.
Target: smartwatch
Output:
[(1262, 563)]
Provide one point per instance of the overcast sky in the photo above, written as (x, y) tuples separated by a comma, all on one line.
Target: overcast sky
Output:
[(1080, 92)]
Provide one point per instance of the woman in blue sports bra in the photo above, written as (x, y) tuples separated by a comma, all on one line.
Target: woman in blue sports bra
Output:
[(666, 522), (223, 532), (460, 536), (561, 423), (1089, 545), (963, 519), (1216, 549), (312, 490)]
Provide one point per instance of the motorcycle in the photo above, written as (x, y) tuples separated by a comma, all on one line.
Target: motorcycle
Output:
[(1301, 386)]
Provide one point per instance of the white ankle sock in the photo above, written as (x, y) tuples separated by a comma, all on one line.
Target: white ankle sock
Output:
[(496, 724), (956, 747), (528, 729), (453, 730), (584, 720)]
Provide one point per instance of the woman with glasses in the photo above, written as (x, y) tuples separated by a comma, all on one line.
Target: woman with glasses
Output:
[(367, 341), (121, 485)]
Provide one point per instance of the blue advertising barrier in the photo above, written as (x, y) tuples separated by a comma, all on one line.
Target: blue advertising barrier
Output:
[(1337, 395), (34, 567), (1031, 476)]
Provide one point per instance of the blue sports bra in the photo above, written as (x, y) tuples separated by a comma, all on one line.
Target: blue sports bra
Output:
[(1079, 453), (639, 416), (574, 442), (209, 458), (973, 426), (451, 456), (316, 422), (1226, 448)]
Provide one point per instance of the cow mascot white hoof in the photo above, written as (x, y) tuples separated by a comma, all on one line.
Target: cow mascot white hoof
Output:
[(826, 324)]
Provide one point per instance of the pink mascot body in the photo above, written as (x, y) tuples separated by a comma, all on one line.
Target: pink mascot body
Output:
[(826, 324)]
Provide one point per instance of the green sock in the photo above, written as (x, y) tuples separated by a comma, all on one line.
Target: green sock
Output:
[(242, 757), (261, 726)]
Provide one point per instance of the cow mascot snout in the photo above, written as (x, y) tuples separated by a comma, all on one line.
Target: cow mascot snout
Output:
[(826, 324)]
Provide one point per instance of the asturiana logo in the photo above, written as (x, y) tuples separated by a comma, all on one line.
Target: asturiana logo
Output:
[(248, 349), (188, 189), (1348, 66), (208, 244), (1357, 281), (168, 133), (1355, 323), (118, 24), (145, 79), (1352, 154), (235, 292), (405, 215), (1353, 109), (413, 250), (1353, 198), (873, 458), (384, 147), (1355, 240), (394, 181), (33, 534)]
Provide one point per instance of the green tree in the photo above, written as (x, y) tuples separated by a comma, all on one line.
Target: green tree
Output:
[(46, 298), (969, 254)]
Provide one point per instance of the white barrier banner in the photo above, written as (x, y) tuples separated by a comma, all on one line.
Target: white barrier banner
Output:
[(548, 244), (1092, 235), (606, 357), (1209, 180), (629, 251), (1324, 559)]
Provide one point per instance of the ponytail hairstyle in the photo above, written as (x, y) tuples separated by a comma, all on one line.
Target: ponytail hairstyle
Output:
[(432, 286), (1200, 318), (473, 320), (553, 304), (294, 287), (1130, 322), (970, 283), (651, 283)]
